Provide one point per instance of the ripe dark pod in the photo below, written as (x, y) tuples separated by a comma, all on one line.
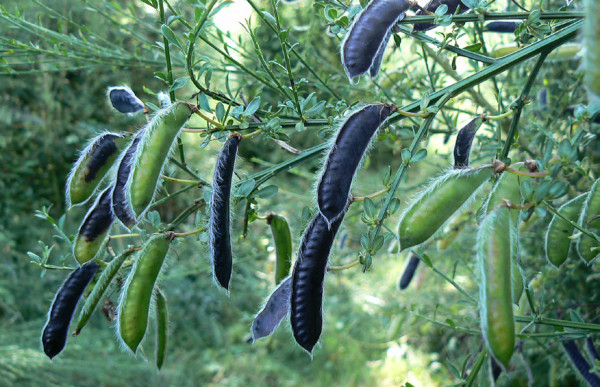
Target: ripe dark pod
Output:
[(124, 100), (409, 271), (274, 310), (580, 364), (220, 239), (503, 27), (94, 228), (365, 37), (120, 202), (374, 70), (433, 5), (306, 313), (91, 167), (464, 140), (54, 335), (345, 155)]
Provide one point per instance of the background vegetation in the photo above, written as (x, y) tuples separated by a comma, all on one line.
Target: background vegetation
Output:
[(58, 57)]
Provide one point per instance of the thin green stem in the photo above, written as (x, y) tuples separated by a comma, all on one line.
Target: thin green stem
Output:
[(558, 323), (476, 367), (474, 17)]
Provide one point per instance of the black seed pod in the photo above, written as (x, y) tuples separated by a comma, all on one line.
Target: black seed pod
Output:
[(503, 27), (432, 6), (495, 368), (54, 335), (581, 365), (124, 100), (374, 70), (307, 281), (464, 140), (275, 310), (409, 271), (345, 155), (94, 228), (220, 241), (121, 206), (365, 37)]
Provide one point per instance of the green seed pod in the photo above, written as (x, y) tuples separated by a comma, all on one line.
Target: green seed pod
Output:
[(99, 289), (91, 167), (162, 322), (591, 52), (558, 237), (134, 305), (586, 246), (494, 260), (151, 155), (282, 237), (437, 203)]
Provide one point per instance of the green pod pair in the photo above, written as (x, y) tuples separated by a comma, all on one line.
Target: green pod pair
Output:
[(134, 305), (438, 202), (587, 247), (508, 188), (91, 167), (494, 253), (282, 238), (558, 236), (151, 155)]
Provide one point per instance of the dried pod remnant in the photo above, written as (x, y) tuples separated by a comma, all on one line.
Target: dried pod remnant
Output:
[(92, 165), (368, 34), (409, 271), (124, 100), (134, 305), (282, 238), (120, 202), (94, 228), (587, 247), (494, 251), (274, 311), (558, 236), (220, 239), (54, 335), (347, 150), (438, 202), (464, 140), (433, 5), (151, 155), (307, 281)]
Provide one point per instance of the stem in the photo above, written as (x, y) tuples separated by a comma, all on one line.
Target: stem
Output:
[(168, 178), (528, 174), (210, 121), (184, 234), (500, 116), (371, 196), (343, 267), (476, 367), (409, 114), (558, 323), (475, 17)]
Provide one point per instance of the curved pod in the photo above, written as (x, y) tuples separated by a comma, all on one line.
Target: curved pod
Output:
[(558, 236), (587, 247), (162, 328), (120, 202), (274, 311), (282, 238)]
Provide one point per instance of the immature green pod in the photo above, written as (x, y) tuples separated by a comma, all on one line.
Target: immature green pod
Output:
[(151, 156), (564, 52), (558, 236), (587, 247), (91, 167), (282, 238), (94, 228), (100, 288), (494, 260), (591, 52), (273, 311), (464, 140), (134, 304), (437, 203), (162, 327)]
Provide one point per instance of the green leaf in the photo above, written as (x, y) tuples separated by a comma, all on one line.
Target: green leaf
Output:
[(252, 107), (267, 192), (369, 207), (179, 83), (419, 156), (246, 188), (170, 36)]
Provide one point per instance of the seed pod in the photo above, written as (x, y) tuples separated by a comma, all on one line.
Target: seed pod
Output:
[(151, 156), (580, 364), (134, 304), (565, 52), (495, 370), (558, 236), (586, 246), (591, 51), (124, 100), (306, 313), (433, 5), (502, 27), (162, 322), (409, 271), (54, 335), (374, 70), (92, 165), (464, 140), (366, 35), (220, 240), (120, 203), (282, 237), (274, 311), (437, 203), (99, 289), (94, 228), (347, 150), (592, 349), (494, 261)]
